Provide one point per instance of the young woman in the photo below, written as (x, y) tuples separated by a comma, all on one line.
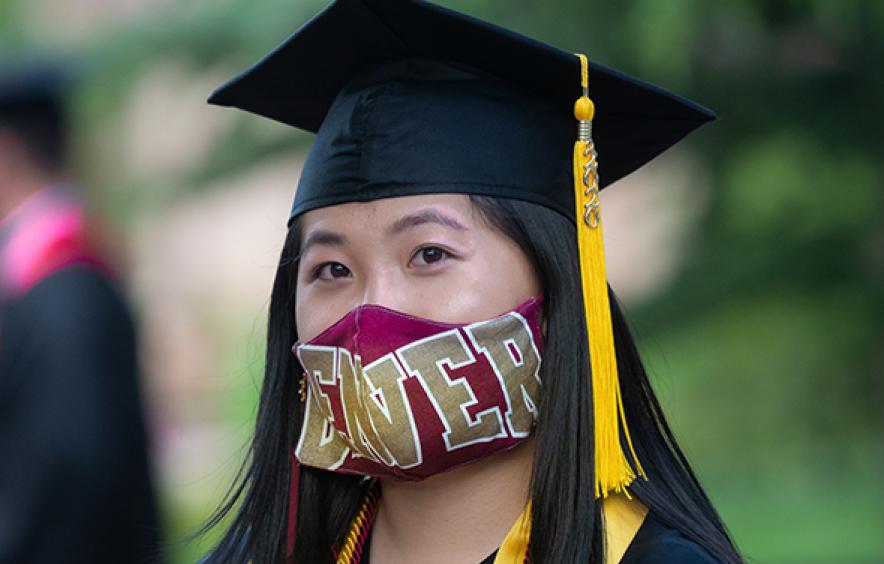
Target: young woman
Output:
[(446, 379)]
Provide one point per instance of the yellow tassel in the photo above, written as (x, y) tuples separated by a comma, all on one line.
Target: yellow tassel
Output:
[(613, 469)]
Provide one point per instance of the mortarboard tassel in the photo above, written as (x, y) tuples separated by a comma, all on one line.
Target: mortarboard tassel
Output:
[(613, 470)]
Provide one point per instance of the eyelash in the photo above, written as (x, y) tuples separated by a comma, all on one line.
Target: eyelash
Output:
[(317, 271), (445, 253)]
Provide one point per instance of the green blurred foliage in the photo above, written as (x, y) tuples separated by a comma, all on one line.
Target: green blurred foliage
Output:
[(768, 347)]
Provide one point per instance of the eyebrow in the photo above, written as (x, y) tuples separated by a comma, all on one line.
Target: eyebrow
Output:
[(424, 216), (321, 237), (334, 239)]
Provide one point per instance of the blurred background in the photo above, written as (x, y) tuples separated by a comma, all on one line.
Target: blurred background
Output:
[(750, 258)]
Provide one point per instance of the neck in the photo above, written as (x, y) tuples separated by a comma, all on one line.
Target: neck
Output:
[(15, 191), (460, 516)]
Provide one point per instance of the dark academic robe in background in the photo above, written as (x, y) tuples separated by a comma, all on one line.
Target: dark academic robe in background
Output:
[(74, 474)]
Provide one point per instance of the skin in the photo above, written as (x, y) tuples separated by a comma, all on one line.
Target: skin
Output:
[(434, 257), (20, 175)]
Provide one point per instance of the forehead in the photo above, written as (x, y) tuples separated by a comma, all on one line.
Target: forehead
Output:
[(387, 211)]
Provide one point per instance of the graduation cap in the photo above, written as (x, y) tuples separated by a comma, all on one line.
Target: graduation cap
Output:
[(408, 97)]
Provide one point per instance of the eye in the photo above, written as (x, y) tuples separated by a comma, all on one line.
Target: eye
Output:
[(429, 255), (330, 271)]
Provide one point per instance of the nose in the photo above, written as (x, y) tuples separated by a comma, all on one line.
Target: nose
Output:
[(384, 288)]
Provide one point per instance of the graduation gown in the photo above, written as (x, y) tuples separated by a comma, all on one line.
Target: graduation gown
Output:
[(74, 479), (654, 543)]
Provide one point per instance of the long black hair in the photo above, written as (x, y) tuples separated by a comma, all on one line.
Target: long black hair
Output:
[(566, 523)]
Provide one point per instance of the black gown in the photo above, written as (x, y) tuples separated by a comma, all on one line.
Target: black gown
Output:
[(654, 543), (74, 479)]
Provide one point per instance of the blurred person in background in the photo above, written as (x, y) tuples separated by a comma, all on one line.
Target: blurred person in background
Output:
[(75, 484)]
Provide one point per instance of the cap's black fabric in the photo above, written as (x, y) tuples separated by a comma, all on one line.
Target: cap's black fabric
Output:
[(414, 126), (408, 97)]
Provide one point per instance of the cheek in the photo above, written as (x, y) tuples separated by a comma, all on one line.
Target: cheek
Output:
[(303, 319), (313, 314), (497, 279)]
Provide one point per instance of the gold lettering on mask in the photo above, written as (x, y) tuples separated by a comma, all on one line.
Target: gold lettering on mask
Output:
[(390, 413), (508, 344), (319, 445), (354, 393), (427, 360)]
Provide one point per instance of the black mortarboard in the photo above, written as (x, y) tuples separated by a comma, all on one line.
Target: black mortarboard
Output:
[(428, 128), (411, 98)]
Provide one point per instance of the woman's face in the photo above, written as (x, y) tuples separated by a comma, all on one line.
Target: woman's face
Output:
[(431, 256)]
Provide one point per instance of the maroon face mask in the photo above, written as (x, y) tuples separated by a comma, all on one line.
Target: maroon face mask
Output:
[(393, 395)]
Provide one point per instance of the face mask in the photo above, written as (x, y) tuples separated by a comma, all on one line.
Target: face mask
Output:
[(393, 395)]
